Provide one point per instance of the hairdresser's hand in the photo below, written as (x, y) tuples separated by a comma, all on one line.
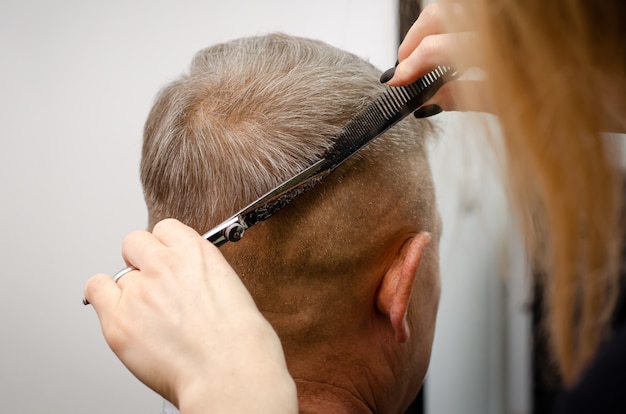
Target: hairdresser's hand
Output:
[(428, 44), (186, 326)]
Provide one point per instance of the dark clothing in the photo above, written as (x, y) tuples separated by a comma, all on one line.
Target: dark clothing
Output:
[(602, 389)]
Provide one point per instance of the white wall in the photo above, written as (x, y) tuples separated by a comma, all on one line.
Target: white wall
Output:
[(76, 81), (481, 354)]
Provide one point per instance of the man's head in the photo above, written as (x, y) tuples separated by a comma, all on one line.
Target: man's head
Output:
[(346, 273)]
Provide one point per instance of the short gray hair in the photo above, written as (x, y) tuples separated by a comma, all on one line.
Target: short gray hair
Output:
[(249, 114)]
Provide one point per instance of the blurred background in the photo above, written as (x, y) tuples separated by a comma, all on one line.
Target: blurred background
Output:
[(77, 79)]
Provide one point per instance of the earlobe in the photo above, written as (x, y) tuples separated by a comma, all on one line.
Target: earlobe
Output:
[(397, 284)]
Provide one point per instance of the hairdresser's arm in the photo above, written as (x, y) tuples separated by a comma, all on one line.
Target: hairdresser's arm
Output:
[(186, 326), (428, 44)]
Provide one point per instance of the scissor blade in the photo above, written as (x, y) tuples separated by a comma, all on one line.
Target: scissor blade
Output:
[(268, 205)]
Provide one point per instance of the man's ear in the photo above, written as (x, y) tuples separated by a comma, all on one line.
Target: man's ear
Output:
[(396, 285)]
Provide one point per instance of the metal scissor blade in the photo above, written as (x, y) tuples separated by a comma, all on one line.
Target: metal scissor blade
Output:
[(267, 205)]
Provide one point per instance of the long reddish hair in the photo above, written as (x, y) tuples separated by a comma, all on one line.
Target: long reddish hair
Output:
[(556, 76)]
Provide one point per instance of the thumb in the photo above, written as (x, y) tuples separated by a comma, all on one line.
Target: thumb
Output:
[(103, 293)]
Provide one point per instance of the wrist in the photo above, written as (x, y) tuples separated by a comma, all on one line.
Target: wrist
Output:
[(271, 390)]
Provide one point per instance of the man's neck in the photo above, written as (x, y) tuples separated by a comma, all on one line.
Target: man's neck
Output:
[(317, 397)]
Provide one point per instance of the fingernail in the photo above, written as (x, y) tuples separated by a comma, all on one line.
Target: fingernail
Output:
[(427, 110), (387, 75)]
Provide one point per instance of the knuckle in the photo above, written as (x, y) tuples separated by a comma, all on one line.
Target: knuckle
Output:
[(95, 281), (131, 238), (164, 225), (430, 46), (94, 284), (432, 11)]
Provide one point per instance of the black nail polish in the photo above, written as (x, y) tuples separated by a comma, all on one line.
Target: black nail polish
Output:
[(428, 110), (387, 75)]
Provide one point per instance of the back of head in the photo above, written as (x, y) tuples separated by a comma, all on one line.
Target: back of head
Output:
[(250, 114)]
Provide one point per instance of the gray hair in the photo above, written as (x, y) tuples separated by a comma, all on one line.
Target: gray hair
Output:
[(249, 114)]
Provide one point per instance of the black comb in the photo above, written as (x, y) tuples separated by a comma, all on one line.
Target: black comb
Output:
[(384, 112)]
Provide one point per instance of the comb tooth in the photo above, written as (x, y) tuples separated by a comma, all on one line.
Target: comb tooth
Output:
[(374, 119), (401, 94), (355, 128), (365, 119), (363, 126), (357, 131), (369, 118), (377, 117), (399, 99), (405, 93), (414, 88), (348, 136), (385, 106), (391, 100), (381, 105), (373, 115), (389, 106), (380, 108)]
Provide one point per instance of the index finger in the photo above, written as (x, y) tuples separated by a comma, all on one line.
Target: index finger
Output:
[(448, 49), (429, 22), (172, 232)]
